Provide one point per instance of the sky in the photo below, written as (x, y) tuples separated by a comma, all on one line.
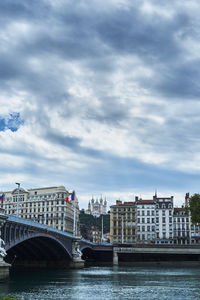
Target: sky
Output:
[(102, 97)]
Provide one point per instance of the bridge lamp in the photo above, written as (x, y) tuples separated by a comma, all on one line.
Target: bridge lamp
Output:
[(18, 184)]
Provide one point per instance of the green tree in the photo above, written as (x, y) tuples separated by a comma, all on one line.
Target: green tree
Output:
[(90, 221), (194, 207)]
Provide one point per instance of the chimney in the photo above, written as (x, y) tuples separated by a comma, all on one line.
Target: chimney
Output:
[(118, 202)]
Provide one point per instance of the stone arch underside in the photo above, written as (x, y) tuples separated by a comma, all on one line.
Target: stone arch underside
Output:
[(38, 251)]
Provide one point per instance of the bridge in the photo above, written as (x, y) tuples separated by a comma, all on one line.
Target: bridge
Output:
[(32, 244)]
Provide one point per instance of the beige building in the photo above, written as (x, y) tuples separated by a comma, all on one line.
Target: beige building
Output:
[(44, 205), (122, 222)]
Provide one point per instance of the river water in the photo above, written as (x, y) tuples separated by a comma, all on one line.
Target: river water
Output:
[(99, 283)]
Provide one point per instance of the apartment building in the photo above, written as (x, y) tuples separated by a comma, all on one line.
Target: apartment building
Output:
[(123, 222), (47, 205), (181, 226), (145, 221), (164, 219)]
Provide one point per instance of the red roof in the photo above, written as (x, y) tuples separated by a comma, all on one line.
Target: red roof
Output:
[(145, 201)]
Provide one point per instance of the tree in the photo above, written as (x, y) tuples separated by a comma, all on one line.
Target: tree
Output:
[(90, 221), (194, 207)]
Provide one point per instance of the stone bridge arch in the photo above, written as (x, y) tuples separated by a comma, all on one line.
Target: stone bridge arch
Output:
[(38, 250)]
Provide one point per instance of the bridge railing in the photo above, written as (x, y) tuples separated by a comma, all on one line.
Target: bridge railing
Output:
[(37, 225)]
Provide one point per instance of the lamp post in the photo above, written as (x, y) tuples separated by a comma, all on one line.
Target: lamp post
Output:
[(18, 184), (102, 229)]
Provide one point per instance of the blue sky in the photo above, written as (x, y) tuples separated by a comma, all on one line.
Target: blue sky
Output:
[(101, 97)]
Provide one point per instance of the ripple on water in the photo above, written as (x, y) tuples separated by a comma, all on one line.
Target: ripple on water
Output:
[(97, 283)]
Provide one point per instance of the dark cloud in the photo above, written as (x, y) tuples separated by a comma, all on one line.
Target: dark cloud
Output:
[(95, 64)]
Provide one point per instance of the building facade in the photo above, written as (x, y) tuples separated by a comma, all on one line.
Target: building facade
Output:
[(181, 226), (44, 205), (152, 221), (123, 222), (97, 208), (145, 221), (164, 219)]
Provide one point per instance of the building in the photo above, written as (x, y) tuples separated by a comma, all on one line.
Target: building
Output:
[(145, 221), (142, 221), (181, 226), (123, 222), (97, 208), (164, 219), (45, 205), (96, 234)]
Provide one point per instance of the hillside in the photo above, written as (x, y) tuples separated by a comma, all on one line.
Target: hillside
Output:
[(90, 221)]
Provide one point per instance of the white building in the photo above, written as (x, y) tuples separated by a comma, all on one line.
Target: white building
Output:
[(145, 221), (45, 205), (164, 219), (182, 221), (97, 208)]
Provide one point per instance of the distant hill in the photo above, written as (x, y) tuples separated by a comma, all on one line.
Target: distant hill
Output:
[(90, 221)]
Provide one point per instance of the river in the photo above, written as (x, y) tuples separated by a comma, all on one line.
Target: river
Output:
[(105, 283)]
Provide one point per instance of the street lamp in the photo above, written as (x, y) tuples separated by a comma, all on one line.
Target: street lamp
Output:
[(18, 184), (102, 229)]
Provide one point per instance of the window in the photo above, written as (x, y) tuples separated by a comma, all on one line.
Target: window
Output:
[(143, 228), (142, 212), (148, 213)]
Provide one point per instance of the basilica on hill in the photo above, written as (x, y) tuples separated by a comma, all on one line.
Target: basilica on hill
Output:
[(97, 208)]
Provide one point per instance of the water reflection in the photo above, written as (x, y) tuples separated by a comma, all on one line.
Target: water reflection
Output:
[(97, 283)]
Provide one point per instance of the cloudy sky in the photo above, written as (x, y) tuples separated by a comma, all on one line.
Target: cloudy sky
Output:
[(102, 97)]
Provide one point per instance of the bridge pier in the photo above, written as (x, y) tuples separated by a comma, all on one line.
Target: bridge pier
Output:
[(4, 267), (77, 262), (115, 257)]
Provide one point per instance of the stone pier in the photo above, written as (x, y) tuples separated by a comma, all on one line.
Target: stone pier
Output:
[(115, 257), (77, 262), (4, 267)]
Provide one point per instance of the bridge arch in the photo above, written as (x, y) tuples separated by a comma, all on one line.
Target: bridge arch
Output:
[(39, 249)]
